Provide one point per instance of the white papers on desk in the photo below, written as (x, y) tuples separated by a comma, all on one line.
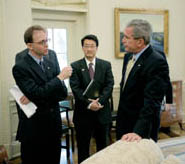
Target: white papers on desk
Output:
[(30, 108)]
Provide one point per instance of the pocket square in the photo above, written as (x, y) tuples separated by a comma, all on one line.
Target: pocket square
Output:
[(83, 69)]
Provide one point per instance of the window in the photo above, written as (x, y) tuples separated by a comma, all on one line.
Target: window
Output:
[(58, 43)]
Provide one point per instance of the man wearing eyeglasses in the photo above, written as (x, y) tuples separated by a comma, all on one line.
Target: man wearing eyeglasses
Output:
[(92, 114), (42, 84)]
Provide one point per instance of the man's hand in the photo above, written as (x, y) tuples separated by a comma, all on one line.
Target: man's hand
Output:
[(24, 100), (65, 73), (130, 137), (95, 105)]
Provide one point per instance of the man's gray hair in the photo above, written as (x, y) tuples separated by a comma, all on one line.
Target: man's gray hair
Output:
[(141, 29)]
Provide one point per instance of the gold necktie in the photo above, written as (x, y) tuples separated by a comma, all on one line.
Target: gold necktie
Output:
[(129, 67)]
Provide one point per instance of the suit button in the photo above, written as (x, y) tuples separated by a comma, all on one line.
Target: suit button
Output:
[(51, 110)]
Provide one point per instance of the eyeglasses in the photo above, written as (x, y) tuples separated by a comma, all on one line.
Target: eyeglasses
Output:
[(43, 42), (89, 46)]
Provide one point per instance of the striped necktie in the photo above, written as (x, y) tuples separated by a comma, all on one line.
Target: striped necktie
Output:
[(130, 64), (91, 71)]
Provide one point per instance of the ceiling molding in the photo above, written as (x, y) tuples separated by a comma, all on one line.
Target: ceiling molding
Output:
[(60, 2)]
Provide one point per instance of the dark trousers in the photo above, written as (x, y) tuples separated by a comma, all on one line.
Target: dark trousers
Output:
[(41, 152), (84, 132), (155, 128)]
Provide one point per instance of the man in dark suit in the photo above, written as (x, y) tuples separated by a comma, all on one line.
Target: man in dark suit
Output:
[(143, 87), (37, 78), (91, 116), (51, 56)]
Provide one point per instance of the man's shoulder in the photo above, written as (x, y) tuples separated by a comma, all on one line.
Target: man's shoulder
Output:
[(78, 62), (21, 55), (51, 52), (103, 61), (151, 55), (25, 51), (21, 64), (154, 61), (156, 56)]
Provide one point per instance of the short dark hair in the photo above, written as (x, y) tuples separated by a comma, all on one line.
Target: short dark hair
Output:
[(28, 35), (90, 37), (141, 29)]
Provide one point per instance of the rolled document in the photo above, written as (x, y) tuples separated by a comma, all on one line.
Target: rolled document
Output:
[(30, 108)]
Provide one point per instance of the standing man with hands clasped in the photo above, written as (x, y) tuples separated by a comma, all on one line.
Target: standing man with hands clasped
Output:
[(92, 115), (39, 80), (145, 77)]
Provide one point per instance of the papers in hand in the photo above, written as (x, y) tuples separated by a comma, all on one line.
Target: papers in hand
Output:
[(30, 108), (92, 90)]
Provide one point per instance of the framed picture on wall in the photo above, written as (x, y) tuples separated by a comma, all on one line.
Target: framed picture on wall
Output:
[(157, 18)]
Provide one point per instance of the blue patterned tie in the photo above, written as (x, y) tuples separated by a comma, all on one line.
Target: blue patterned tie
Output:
[(41, 65)]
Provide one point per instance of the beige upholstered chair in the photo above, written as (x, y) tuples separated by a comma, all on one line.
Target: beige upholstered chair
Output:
[(174, 115), (121, 152)]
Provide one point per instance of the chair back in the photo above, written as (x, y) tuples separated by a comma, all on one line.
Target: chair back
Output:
[(64, 110), (177, 97), (66, 107), (175, 113)]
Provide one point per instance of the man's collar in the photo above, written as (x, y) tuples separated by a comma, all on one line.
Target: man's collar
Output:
[(140, 53), (35, 58), (93, 61)]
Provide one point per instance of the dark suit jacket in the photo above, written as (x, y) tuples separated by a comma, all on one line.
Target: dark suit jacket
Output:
[(140, 101), (51, 56), (79, 81), (45, 90)]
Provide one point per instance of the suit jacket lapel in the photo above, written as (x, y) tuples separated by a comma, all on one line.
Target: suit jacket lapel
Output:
[(125, 62), (138, 65), (48, 69), (85, 71), (35, 67), (97, 72)]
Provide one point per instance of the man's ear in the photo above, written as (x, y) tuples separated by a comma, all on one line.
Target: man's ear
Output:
[(141, 42)]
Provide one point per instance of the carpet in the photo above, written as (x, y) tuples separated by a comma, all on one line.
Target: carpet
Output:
[(175, 146)]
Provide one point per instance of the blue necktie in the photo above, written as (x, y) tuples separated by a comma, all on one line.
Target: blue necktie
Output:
[(42, 65)]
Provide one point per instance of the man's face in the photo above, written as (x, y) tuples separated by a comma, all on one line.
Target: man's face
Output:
[(130, 44), (39, 47), (90, 49)]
